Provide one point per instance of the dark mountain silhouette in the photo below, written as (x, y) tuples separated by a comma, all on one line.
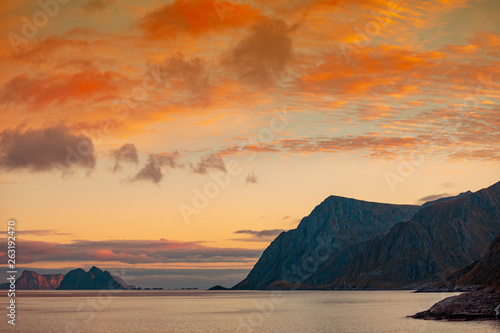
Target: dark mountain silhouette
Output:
[(323, 242), (218, 287), (352, 244), (95, 278)]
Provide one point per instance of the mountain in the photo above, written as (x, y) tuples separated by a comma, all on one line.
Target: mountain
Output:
[(95, 278), (30, 280), (439, 239), (54, 280), (323, 241), (352, 244), (478, 304), (449, 284), (480, 273)]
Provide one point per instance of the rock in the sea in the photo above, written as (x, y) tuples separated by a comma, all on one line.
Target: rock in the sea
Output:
[(95, 278), (479, 304), (218, 287)]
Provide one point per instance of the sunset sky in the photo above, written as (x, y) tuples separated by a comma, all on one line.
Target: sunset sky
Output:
[(171, 141)]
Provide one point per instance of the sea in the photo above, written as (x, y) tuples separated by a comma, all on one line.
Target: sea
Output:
[(230, 311)]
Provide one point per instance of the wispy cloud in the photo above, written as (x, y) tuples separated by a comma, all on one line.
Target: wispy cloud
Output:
[(211, 162), (433, 197), (45, 232), (93, 6), (132, 252), (252, 178), (260, 233), (126, 153), (156, 165)]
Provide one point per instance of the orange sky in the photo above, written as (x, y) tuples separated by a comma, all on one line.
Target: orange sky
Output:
[(200, 129)]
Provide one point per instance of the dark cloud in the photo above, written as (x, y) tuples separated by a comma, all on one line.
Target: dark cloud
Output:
[(190, 74), (133, 252), (93, 6), (252, 178), (261, 58), (212, 162), (433, 197), (46, 149), (447, 185), (261, 233), (126, 153), (155, 167)]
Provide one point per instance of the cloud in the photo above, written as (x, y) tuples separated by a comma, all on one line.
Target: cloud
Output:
[(195, 18), (93, 6), (212, 162), (447, 185), (252, 178), (133, 252), (153, 171), (126, 153), (433, 197), (42, 90), (261, 58), (191, 74), (45, 232), (53, 148), (261, 233)]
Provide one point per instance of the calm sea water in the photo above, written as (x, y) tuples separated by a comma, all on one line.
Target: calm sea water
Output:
[(231, 311)]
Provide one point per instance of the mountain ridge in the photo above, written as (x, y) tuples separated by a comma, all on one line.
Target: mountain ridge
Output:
[(354, 244)]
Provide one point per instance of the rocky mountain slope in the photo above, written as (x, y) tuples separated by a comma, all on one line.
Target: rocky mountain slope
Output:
[(347, 243), (95, 278), (479, 304), (329, 234), (439, 239), (30, 280)]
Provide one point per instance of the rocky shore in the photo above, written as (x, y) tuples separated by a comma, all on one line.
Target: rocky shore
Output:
[(483, 303)]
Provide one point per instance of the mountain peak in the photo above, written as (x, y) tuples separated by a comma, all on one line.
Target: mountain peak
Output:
[(96, 270), (95, 278), (349, 243)]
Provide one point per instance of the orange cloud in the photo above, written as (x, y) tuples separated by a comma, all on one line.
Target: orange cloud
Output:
[(195, 18), (41, 91)]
